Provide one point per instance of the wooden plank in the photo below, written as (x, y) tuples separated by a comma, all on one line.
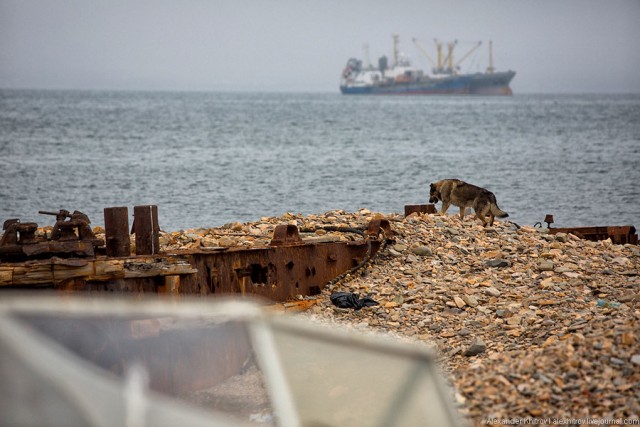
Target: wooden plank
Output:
[(34, 274), (65, 272), (6, 276), (160, 270), (59, 270), (109, 269)]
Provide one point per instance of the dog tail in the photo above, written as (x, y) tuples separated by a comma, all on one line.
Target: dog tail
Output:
[(496, 211)]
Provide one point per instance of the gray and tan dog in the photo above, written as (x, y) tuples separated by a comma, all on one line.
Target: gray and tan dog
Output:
[(465, 195)]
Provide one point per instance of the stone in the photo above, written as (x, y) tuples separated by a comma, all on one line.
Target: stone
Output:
[(459, 302), (497, 263), (546, 265), (470, 300), (477, 346), (422, 251), (236, 226), (492, 291), (629, 298), (208, 242), (226, 241), (616, 361)]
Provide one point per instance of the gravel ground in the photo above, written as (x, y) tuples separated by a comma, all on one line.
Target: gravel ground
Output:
[(526, 325)]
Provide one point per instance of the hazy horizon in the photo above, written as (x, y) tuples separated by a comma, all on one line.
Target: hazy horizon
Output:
[(572, 46)]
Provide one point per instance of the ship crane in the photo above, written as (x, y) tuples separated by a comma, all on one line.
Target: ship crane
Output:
[(466, 55), (449, 58), (424, 51), (440, 69)]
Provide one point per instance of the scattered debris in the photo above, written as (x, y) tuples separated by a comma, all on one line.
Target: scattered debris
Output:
[(351, 300)]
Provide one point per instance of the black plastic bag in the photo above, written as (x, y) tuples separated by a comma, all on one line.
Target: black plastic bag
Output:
[(350, 300)]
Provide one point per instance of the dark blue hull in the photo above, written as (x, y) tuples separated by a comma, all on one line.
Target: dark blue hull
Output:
[(468, 84)]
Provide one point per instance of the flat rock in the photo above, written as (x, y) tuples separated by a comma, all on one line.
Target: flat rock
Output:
[(459, 302), (497, 263), (477, 346), (546, 265), (470, 300), (492, 291), (422, 251)]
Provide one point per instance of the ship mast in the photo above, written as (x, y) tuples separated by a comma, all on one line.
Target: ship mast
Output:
[(396, 41), (439, 49), (490, 68), (367, 62)]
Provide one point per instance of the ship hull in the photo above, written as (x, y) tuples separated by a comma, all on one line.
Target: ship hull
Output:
[(485, 84)]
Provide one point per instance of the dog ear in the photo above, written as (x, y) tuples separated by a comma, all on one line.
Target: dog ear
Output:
[(432, 187)]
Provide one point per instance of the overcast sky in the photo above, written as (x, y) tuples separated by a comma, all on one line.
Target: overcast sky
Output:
[(555, 46)]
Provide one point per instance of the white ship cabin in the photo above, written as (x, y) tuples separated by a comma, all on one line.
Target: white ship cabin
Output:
[(403, 71), (366, 78)]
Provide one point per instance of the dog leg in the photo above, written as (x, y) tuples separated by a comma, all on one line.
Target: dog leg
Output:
[(481, 217), (445, 206), (462, 209)]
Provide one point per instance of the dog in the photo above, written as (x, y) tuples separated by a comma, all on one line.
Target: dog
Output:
[(464, 195)]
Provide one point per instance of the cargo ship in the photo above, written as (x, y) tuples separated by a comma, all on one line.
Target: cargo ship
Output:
[(402, 78)]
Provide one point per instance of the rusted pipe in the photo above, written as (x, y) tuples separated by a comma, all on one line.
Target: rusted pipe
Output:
[(420, 209), (146, 229), (116, 226)]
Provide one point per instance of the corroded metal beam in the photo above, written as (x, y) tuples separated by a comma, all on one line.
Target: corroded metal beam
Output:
[(288, 267), (619, 235)]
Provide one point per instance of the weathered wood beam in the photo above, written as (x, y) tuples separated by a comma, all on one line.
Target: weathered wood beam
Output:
[(55, 271)]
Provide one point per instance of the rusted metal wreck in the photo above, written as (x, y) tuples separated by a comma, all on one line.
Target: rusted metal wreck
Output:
[(70, 258)]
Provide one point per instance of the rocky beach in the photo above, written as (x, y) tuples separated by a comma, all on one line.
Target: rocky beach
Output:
[(526, 326)]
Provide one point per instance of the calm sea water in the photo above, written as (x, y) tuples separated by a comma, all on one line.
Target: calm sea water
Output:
[(211, 158)]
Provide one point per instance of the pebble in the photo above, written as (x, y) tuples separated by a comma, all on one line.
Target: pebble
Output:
[(492, 291), (497, 263), (477, 346), (470, 300), (546, 265), (422, 251), (459, 302)]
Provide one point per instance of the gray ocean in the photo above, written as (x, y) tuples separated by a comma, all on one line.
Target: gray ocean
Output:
[(207, 159)]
